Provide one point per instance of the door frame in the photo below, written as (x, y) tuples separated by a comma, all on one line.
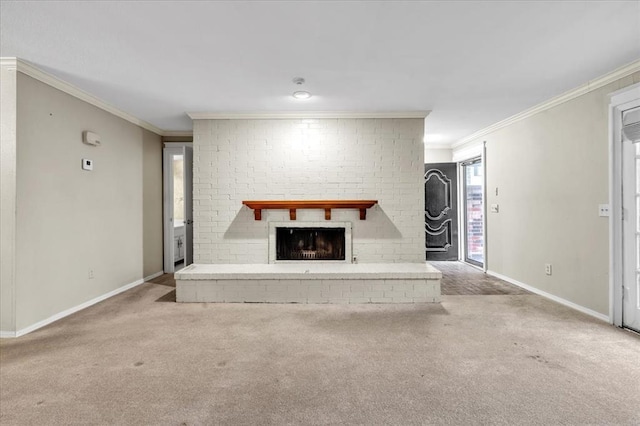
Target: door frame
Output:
[(170, 149), (620, 101), (465, 219), (478, 150)]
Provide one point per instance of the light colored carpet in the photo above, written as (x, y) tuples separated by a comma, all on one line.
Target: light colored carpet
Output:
[(139, 359)]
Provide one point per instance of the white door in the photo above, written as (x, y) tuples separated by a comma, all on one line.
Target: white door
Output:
[(631, 224), (187, 153)]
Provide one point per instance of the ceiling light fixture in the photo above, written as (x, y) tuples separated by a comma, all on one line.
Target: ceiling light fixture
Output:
[(300, 94)]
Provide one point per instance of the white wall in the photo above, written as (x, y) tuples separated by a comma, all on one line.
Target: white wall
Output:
[(551, 171), (8, 87), (236, 160), (438, 155), (152, 228), (70, 220)]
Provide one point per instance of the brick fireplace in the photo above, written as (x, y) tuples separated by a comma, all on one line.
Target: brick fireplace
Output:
[(310, 159)]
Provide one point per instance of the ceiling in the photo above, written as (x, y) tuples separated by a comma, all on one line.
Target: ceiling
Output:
[(471, 63)]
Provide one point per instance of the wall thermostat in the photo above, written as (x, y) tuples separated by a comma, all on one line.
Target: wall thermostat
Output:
[(87, 164)]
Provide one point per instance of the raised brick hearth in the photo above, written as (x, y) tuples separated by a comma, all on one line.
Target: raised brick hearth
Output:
[(310, 283)]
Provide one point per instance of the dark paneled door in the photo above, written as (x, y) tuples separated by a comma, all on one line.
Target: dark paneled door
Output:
[(441, 211)]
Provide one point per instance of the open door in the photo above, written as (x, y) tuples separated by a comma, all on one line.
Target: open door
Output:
[(631, 219), (187, 153), (624, 224), (473, 210)]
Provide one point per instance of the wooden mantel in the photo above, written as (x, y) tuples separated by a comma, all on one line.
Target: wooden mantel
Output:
[(325, 205)]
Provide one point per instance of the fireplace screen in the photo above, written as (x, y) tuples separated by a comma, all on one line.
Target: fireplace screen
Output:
[(310, 244)]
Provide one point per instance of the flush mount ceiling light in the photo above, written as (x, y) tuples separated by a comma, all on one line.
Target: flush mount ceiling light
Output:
[(300, 94)]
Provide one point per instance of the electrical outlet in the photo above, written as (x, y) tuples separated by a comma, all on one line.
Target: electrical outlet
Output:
[(547, 268), (603, 210), (91, 274)]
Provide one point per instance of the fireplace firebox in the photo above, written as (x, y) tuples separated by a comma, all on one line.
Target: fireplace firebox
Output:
[(310, 241), (310, 244)]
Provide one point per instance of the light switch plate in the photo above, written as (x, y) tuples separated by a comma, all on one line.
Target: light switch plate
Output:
[(87, 164), (603, 210)]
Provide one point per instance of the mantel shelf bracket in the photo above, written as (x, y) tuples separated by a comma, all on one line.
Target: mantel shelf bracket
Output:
[(326, 205)]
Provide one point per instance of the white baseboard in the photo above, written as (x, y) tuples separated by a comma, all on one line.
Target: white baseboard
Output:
[(70, 311), (552, 297), (152, 276)]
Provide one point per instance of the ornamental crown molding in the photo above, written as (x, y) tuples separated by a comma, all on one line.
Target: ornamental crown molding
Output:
[(583, 89), (55, 82), (270, 115), (9, 63), (176, 133)]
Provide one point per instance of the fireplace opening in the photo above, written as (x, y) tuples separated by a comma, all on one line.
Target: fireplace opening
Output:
[(310, 243)]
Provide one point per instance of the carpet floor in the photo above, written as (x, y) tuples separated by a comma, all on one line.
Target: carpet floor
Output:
[(138, 358)]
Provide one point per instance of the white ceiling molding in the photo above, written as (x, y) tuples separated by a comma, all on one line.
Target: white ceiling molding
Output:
[(177, 144), (589, 86), (9, 63), (70, 89), (259, 115), (469, 82), (177, 133)]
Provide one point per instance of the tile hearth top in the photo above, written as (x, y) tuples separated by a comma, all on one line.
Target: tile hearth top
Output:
[(335, 271)]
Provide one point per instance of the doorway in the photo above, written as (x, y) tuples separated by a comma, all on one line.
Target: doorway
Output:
[(441, 211), (178, 209), (631, 225), (473, 211), (625, 208)]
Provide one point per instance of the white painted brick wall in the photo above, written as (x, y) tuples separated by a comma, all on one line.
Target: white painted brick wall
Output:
[(236, 160), (353, 291)]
